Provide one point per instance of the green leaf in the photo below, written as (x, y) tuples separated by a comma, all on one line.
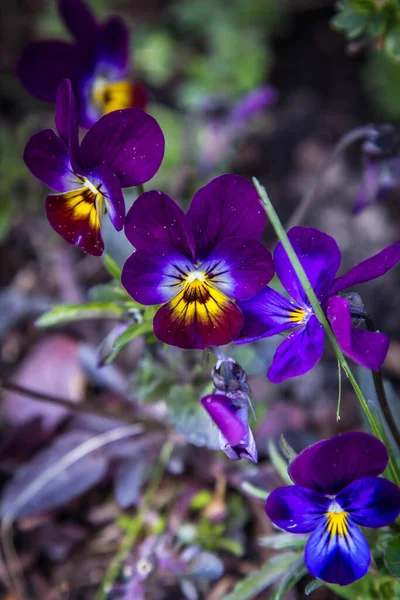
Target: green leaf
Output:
[(392, 557), (67, 313), (131, 333), (279, 462), (284, 541), (189, 418), (313, 585), (268, 574), (392, 43), (296, 571), (112, 267), (381, 78), (286, 449), (109, 292)]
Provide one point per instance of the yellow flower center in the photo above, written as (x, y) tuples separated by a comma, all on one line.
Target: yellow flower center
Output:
[(337, 520), (297, 316), (112, 95)]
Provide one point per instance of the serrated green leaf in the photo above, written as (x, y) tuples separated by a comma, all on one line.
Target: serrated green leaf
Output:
[(350, 21), (268, 574), (296, 571), (112, 267), (313, 585), (376, 25), (392, 557), (67, 313), (279, 462), (131, 333)]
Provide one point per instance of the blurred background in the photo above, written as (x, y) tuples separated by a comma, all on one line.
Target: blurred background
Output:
[(197, 59)]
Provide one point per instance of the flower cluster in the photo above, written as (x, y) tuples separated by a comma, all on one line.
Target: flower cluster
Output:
[(97, 63)]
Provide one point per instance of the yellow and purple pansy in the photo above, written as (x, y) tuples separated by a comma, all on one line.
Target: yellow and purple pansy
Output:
[(271, 313), (96, 62), (337, 489), (124, 148), (194, 264)]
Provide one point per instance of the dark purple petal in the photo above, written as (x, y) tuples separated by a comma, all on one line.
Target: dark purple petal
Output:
[(372, 268), (43, 65), (129, 142), (226, 207), (155, 273), (366, 348), (320, 257), (67, 121), (47, 157), (267, 314), (368, 191), (155, 217), (339, 559), (197, 317), (330, 465), (78, 18), (113, 47), (246, 450), (239, 267), (253, 103), (371, 501), (298, 353), (296, 509), (224, 414), (109, 186)]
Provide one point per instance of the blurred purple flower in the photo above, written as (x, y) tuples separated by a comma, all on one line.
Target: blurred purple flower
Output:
[(337, 489), (270, 313), (222, 122), (381, 157), (124, 148), (97, 63), (231, 415), (194, 263)]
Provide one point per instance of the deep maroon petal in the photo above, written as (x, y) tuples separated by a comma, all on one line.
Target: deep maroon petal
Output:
[(47, 157), (267, 314), (113, 46), (67, 121), (330, 465), (78, 18), (155, 217), (240, 267), (339, 559), (298, 353), (372, 268), (320, 257), (296, 509), (74, 216), (223, 413), (198, 317), (226, 207), (109, 186), (129, 142), (43, 65), (155, 273), (366, 348), (371, 501)]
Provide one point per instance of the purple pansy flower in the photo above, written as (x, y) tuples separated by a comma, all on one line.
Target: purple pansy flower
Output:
[(231, 415), (337, 489), (194, 263), (270, 312), (97, 64), (124, 148), (221, 122), (381, 167)]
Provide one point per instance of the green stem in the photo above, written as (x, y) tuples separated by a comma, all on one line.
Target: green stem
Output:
[(137, 524), (140, 189), (319, 313)]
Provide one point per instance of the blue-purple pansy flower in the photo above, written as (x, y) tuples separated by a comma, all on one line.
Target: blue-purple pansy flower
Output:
[(194, 264), (124, 148), (337, 489), (96, 62), (231, 416), (270, 313), (381, 172)]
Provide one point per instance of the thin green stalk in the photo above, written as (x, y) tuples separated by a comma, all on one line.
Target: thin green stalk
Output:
[(137, 524), (339, 392), (319, 313)]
